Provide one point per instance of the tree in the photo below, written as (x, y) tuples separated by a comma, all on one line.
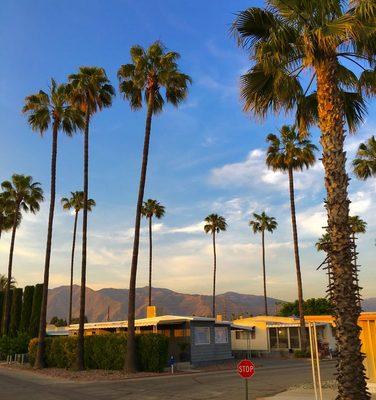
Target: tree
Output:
[(26, 196), (214, 224), (319, 306), (151, 208), (285, 39), (149, 71), (289, 153), (16, 310), (50, 111), (90, 91), (6, 217), (36, 310), (365, 163), (323, 244), (27, 306), (4, 281), (260, 224), (75, 202), (58, 322)]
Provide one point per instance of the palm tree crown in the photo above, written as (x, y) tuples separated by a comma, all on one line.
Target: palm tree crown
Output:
[(76, 202), (4, 281), (323, 243), (288, 37), (53, 107), (289, 151), (7, 213), (149, 71), (365, 163), (262, 223), (152, 208), (357, 225), (215, 224)]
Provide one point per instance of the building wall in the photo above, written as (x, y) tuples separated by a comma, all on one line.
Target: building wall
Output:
[(258, 343), (202, 353)]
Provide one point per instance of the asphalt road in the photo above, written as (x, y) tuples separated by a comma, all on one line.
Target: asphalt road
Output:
[(268, 380)]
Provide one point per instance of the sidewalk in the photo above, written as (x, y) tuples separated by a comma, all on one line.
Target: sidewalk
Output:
[(302, 394)]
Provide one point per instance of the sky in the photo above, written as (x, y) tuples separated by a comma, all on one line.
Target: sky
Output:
[(206, 157)]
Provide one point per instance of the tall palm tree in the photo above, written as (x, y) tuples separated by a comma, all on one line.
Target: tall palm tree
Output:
[(142, 79), (75, 202), (50, 110), (323, 244), (6, 216), (284, 39), (365, 162), (3, 282), (90, 91), (288, 153), (214, 224), (26, 196), (357, 225), (260, 224), (151, 208)]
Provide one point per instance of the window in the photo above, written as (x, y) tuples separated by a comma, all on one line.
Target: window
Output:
[(221, 334), (294, 338), (202, 335), (273, 338), (245, 335)]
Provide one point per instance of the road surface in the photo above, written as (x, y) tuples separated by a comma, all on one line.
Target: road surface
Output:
[(274, 377)]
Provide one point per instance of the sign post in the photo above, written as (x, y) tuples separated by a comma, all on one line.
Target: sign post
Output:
[(246, 369)]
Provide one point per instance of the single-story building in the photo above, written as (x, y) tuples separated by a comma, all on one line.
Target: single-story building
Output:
[(271, 335)]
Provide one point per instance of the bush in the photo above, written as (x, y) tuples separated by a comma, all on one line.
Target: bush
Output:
[(302, 354), (13, 345), (35, 311), (26, 308), (15, 312), (104, 351)]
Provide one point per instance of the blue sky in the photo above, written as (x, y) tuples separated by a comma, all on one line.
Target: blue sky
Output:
[(207, 156)]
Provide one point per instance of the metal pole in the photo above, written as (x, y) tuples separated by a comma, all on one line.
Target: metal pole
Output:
[(312, 359), (246, 389), (317, 359)]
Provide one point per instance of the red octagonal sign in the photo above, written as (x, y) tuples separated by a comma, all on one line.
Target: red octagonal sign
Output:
[(246, 369)]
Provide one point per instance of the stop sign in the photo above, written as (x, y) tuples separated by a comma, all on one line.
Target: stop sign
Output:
[(246, 369)]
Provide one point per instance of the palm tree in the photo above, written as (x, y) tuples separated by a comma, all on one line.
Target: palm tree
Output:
[(214, 224), (26, 195), (260, 224), (149, 71), (323, 244), (365, 163), (50, 111), (6, 216), (3, 282), (90, 91), (357, 226), (151, 208), (284, 39), (75, 202), (289, 153)]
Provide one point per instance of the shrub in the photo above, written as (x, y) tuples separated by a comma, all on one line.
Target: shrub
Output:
[(26, 308), (104, 351), (13, 345), (302, 354), (16, 310), (35, 312)]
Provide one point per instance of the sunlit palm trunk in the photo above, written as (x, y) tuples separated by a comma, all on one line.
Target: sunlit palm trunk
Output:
[(150, 257), (303, 336), (264, 272), (10, 265), (81, 329), (351, 373), (130, 361), (39, 362), (72, 267), (214, 273)]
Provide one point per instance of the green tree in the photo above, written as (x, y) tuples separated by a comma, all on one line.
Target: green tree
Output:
[(75, 203), (284, 39), (50, 110), (90, 91), (260, 224), (142, 79), (319, 306), (151, 208), (214, 224), (27, 306), (58, 322), (288, 153), (26, 196), (6, 216), (365, 162), (36, 309), (4, 281), (15, 313)]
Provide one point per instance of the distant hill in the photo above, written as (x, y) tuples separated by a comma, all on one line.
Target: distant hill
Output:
[(369, 304), (167, 302)]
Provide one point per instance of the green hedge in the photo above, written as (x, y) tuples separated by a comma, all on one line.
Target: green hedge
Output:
[(26, 308), (15, 312), (35, 312), (104, 351), (13, 345)]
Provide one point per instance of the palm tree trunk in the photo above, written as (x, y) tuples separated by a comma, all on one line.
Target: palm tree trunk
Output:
[(81, 329), (10, 264), (351, 372), (130, 361), (264, 271), (303, 335), (72, 267), (356, 272), (150, 257), (215, 273), (39, 362)]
